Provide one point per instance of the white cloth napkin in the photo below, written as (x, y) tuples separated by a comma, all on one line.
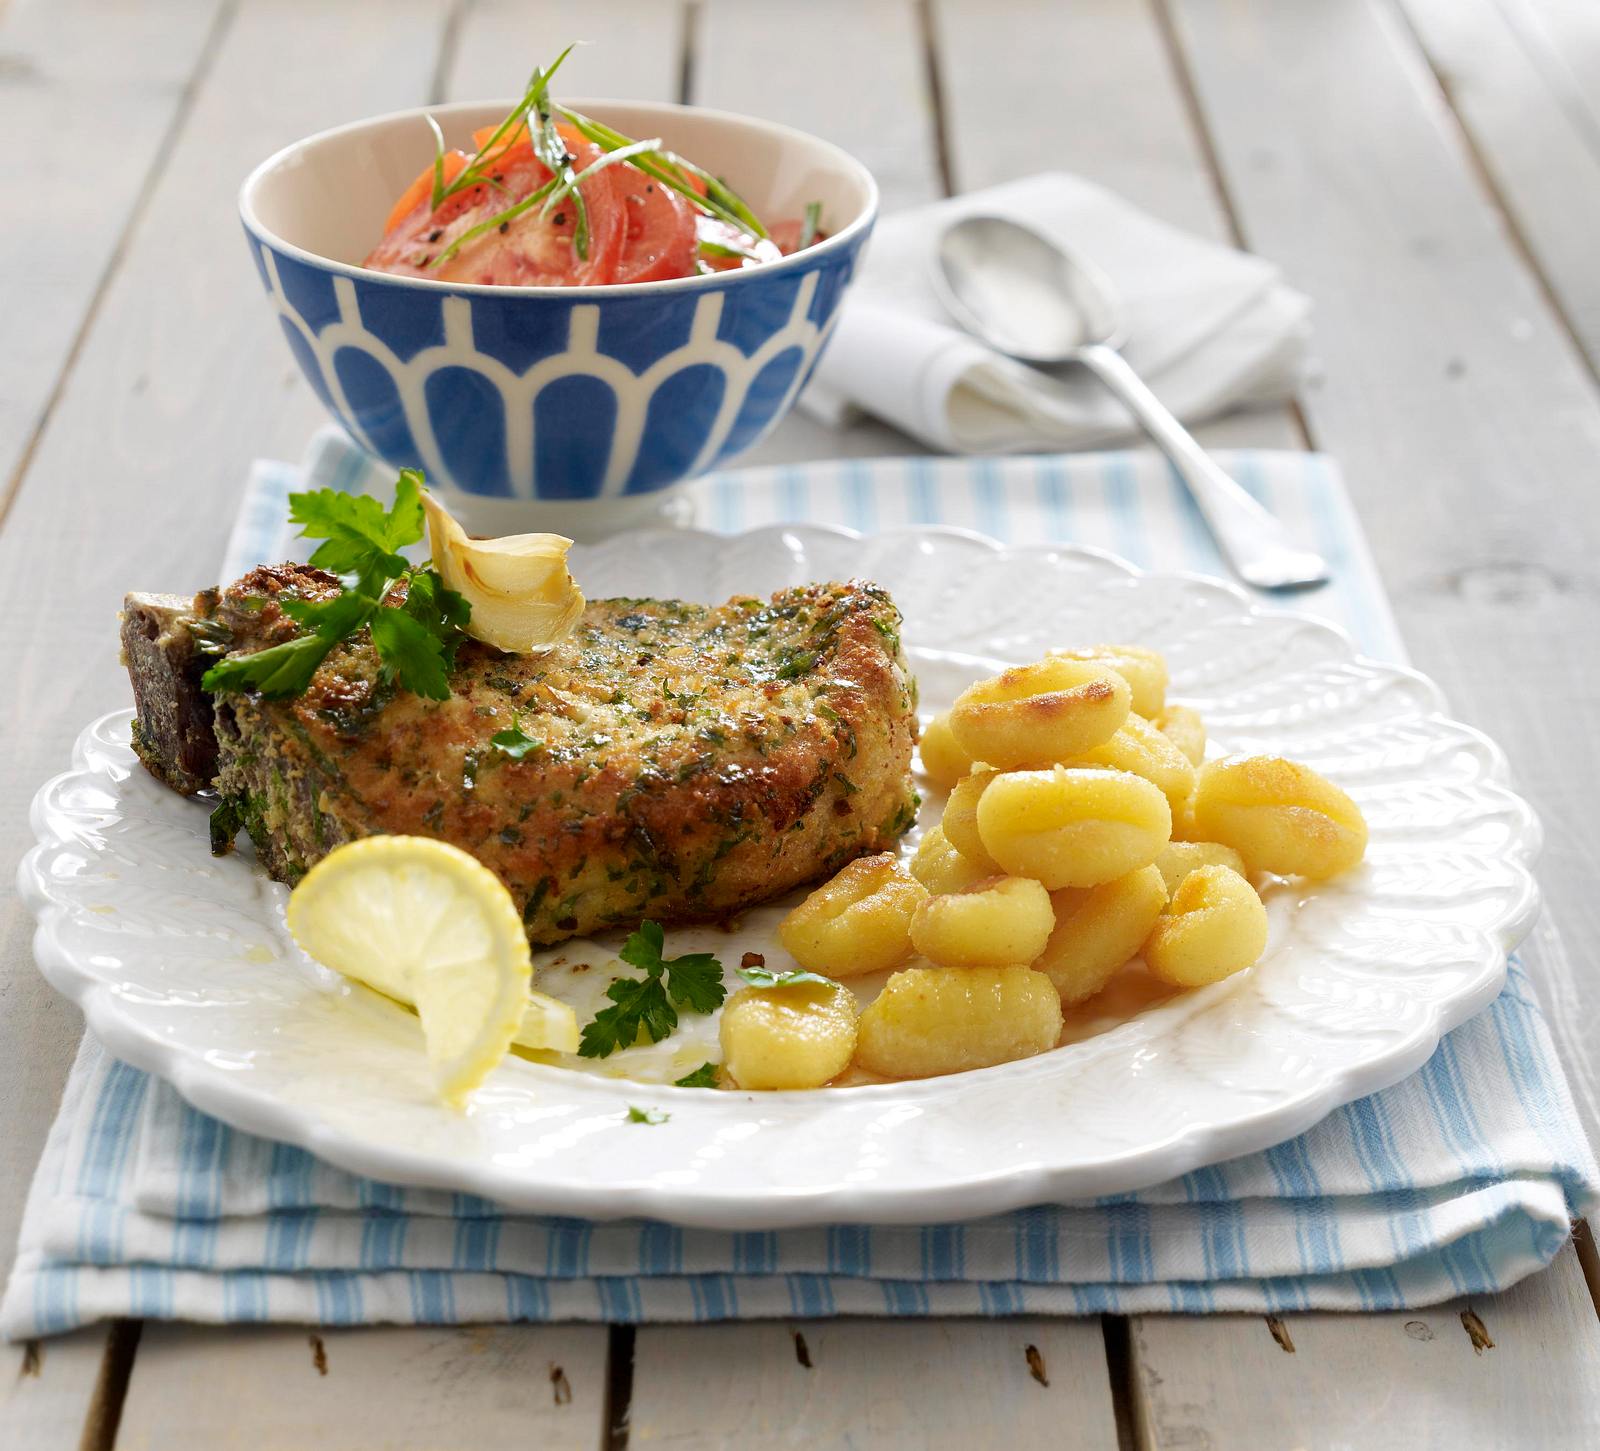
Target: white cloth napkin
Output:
[(1209, 328)]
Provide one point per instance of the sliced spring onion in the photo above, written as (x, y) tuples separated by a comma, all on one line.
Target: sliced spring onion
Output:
[(622, 153), (809, 226), (667, 167), (499, 219)]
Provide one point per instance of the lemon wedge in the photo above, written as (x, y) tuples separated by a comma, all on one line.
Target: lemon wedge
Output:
[(548, 1024), (523, 598), (428, 925)]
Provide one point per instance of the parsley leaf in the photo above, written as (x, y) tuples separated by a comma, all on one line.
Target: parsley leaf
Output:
[(693, 981), (514, 743), (765, 977), (707, 1075), (646, 1115), (279, 670), (356, 529), (415, 640), (409, 651)]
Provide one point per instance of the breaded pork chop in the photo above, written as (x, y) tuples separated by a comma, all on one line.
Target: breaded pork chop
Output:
[(667, 760)]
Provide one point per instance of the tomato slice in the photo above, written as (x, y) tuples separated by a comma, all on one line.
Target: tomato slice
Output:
[(729, 248), (527, 250), (659, 229), (422, 188)]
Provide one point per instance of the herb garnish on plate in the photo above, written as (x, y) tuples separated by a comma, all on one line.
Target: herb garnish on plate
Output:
[(693, 981), (415, 638)]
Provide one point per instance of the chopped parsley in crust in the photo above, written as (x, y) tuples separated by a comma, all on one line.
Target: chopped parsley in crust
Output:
[(668, 760)]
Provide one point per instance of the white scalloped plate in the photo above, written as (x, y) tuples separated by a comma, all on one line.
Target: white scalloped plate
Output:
[(182, 965)]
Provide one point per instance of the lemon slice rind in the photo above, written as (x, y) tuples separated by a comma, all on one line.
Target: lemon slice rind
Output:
[(427, 924)]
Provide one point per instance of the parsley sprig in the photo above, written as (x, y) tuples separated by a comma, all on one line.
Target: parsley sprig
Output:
[(765, 977), (693, 982), (416, 639)]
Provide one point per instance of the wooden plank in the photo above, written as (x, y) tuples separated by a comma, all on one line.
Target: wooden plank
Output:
[(1517, 1369), (1013, 110), (1563, 38), (631, 49), (851, 71), (66, 68), (842, 1383), (854, 72), (1536, 151), (1464, 419), (183, 379), (67, 1392), (497, 1388)]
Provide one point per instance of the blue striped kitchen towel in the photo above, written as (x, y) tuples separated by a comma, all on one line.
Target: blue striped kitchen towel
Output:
[(1462, 1179)]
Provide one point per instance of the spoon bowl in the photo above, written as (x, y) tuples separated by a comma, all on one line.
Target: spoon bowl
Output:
[(1029, 297)]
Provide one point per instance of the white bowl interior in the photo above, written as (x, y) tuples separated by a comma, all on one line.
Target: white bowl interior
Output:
[(330, 194)]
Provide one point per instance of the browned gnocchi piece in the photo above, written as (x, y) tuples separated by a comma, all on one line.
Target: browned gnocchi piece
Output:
[(858, 922), (1179, 858), (1138, 747), (1072, 827), (1035, 715), (1185, 729), (1214, 927), (993, 922), (1144, 670), (1098, 929), (960, 820), (798, 1035), (933, 1020), (940, 867), (943, 761), (1279, 816)]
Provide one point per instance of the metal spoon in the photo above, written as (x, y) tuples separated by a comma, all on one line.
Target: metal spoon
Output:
[(1027, 296)]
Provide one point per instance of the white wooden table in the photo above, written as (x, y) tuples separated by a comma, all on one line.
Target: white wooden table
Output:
[(1429, 170)]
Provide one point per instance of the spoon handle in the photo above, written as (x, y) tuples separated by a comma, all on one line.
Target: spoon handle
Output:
[(1255, 544)]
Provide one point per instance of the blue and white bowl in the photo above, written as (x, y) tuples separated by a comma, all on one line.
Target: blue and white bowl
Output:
[(585, 402)]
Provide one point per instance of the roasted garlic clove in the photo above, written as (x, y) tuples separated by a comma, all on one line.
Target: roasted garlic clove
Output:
[(523, 598)]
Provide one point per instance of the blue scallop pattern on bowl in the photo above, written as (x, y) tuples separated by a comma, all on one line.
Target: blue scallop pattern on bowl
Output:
[(576, 396)]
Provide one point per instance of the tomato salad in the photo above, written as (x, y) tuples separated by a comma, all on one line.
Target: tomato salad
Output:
[(552, 198)]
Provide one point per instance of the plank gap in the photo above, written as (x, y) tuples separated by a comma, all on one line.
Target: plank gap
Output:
[(927, 33), (444, 61), (1588, 1260), (619, 1386), (1119, 1371), (111, 1386), (1542, 51), (691, 33), (1189, 98), (174, 127), (1478, 168)]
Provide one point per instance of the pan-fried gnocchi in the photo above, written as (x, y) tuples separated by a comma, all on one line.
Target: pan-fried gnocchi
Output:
[(1072, 827), (1139, 748), (933, 1020), (1084, 829), (1185, 729), (1214, 927), (940, 867), (1144, 670), (960, 820), (798, 1035), (1179, 858), (996, 921), (858, 922), (942, 759), (1036, 715), (1098, 929), (1279, 816)]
